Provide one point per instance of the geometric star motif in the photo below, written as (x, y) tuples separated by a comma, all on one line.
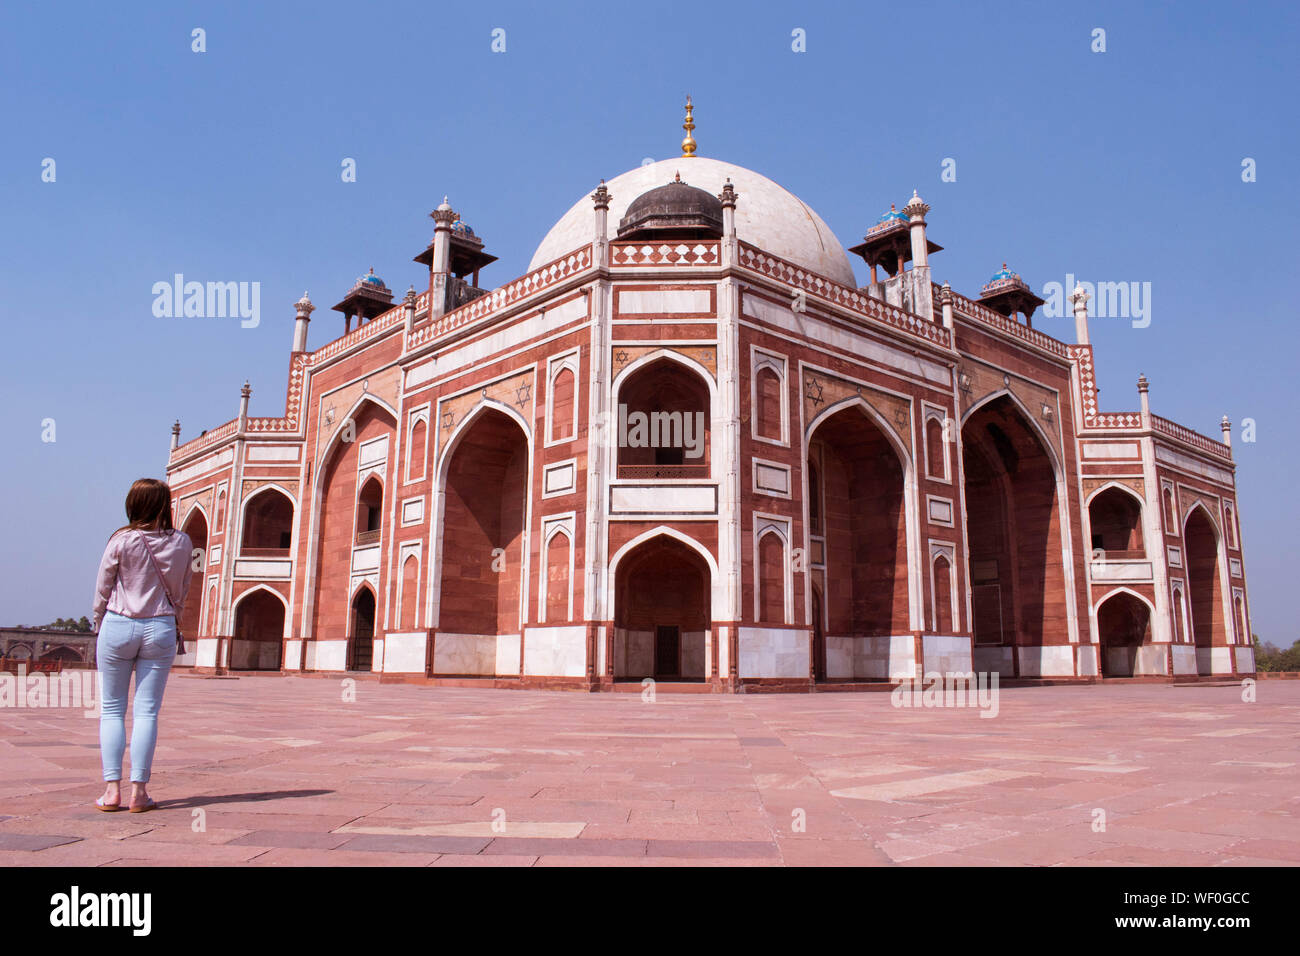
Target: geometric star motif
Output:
[(523, 393), (813, 391)]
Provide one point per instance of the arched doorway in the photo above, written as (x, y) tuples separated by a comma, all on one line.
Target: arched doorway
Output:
[(661, 612), (1204, 590), (857, 519), (482, 529), (196, 526), (1124, 628), (361, 645), (259, 632), (1013, 527)]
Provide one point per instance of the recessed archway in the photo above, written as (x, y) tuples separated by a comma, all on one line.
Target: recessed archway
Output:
[(1204, 590), (1123, 629), (1013, 527), (662, 613), (484, 477), (268, 523), (335, 510), (259, 631), (1115, 520), (196, 526), (858, 517), (361, 640), (663, 423)]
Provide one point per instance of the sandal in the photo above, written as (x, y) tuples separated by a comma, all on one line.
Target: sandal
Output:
[(144, 807), (107, 807)]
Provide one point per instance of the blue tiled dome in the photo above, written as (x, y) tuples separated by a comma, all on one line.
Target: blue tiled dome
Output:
[(1002, 275), (892, 216), (372, 279), (461, 227)]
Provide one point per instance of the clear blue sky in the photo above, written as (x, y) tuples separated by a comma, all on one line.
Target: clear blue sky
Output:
[(225, 165)]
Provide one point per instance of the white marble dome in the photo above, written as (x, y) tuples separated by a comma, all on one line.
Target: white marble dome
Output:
[(767, 215)]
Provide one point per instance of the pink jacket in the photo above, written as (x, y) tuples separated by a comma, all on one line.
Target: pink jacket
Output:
[(128, 583)]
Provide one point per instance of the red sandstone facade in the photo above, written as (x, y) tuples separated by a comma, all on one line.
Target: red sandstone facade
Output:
[(893, 480)]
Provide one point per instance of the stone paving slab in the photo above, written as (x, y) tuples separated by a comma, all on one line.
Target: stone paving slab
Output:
[(272, 771)]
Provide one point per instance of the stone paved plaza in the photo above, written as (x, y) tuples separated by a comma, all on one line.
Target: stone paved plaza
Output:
[(284, 772)]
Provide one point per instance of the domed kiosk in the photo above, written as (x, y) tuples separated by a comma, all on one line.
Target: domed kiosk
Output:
[(768, 215)]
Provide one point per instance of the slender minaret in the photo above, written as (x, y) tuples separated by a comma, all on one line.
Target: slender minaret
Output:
[(442, 217), (1080, 300), (176, 434), (945, 299), (303, 309), (243, 406), (1225, 426), (600, 198), (728, 199), (1143, 387), (915, 211), (409, 307)]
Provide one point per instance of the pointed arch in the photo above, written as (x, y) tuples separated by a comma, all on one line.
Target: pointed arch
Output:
[(1053, 454), (257, 634), (716, 604), (905, 614)]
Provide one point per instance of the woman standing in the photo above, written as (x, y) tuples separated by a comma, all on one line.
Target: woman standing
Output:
[(139, 596)]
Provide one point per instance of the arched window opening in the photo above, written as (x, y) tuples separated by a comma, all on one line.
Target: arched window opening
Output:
[(771, 579), (268, 524), (942, 615), (664, 412), (1116, 520), (562, 405), (417, 451), (370, 507), (936, 455), (410, 593), (557, 578), (814, 499), (1171, 518), (767, 397)]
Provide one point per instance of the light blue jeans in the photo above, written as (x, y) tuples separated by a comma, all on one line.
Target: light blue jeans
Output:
[(145, 646)]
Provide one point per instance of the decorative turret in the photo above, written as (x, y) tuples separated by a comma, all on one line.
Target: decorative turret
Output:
[(1225, 426), (244, 394), (176, 434), (1009, 294), (893, 242), (368, 297), (1080, 299), (303, 310), (455, 252), (1145, 400), (675, 210)]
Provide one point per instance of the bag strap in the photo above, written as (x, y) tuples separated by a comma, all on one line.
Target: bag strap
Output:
[(161, 577)]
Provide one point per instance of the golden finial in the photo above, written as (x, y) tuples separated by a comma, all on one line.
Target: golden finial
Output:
[(688, 144)]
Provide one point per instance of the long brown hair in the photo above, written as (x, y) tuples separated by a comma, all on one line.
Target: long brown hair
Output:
[(149, 502)]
